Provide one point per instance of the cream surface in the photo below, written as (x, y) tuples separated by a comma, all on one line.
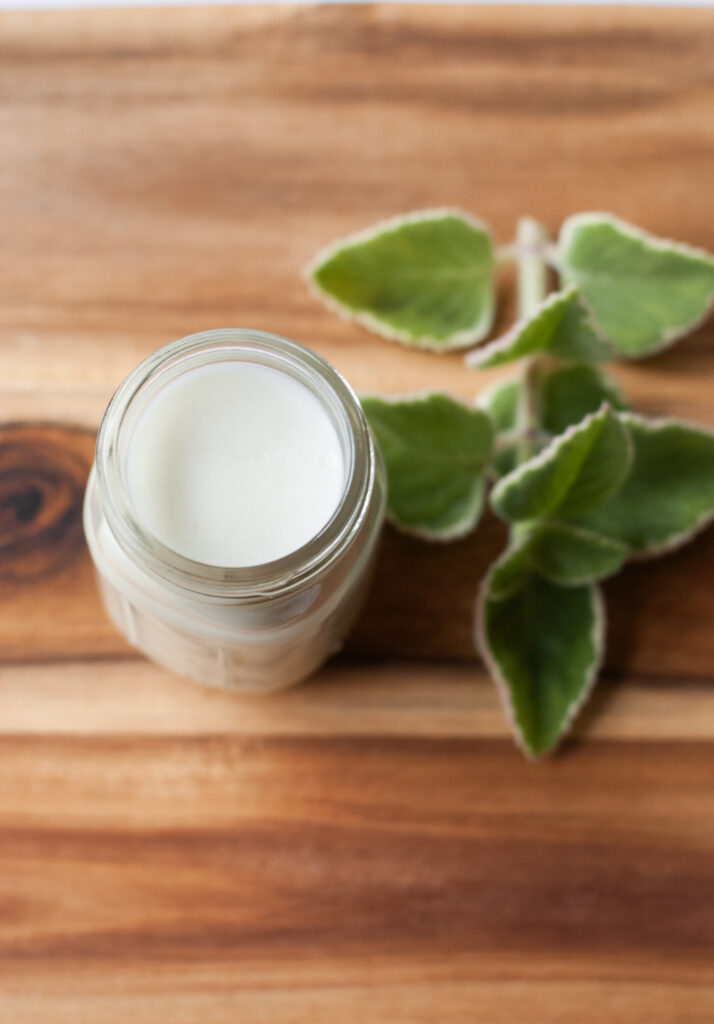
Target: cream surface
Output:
[(235, 464)]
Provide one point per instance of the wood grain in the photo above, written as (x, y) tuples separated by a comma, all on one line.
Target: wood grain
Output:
[(226, 870), (161, 179), (49, 608), (369, 846), (385, 698)]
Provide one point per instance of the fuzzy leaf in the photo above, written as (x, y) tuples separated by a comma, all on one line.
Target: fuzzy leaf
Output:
[(669, 493), (435, 449), (500, 401), (542, 643), (645, 292), (560, 327), (510, 572), (569, 393), (504, 461), (425, 279), (570, 556), (574, 472)]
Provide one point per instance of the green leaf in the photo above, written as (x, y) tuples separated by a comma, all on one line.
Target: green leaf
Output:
[(570, 392), (542, 644), (560, 326), (570, 556), (566, 395), (434, 449), (561, 553), (500, 400), (425, 279), (645, 292), (669, 493), (575, 471), (510, 572)]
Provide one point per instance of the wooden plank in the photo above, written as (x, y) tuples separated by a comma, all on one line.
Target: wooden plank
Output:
[(227, 148), (369, 846), (197, 994), (128, 696), (422, 598), (235, 863)]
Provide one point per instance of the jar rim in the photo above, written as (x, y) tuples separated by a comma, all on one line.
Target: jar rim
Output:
[(290, 572)]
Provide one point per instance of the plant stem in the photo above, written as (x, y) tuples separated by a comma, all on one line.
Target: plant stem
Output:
[(531, 241)]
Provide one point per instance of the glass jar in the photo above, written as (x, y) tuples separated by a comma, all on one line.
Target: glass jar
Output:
[(260, 627)]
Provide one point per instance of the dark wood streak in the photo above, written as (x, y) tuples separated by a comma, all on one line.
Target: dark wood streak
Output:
[(373, 32), (437, 865), (369, 31), (495, 97), (42, 480)]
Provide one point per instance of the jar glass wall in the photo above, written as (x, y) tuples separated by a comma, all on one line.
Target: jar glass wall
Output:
[(258, 627)]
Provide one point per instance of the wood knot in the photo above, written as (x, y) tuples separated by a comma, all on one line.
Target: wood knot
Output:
[(43, 474)]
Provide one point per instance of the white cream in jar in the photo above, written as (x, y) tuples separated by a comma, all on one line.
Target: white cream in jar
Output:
[(234, 508), (235, 464)]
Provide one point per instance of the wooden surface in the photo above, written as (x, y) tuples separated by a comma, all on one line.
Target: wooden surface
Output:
[(370, 846)]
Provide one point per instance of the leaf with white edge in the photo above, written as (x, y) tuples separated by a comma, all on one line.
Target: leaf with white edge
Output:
[(500, 400), (510, 572), (570, 392), (571, 556), (560, 327), (542, 644), (644, 292), (669, 494), (425, 279), (578, 469), (434, 449)]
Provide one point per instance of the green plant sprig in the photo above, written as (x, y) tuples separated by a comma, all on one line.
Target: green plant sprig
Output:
[(584, 483)]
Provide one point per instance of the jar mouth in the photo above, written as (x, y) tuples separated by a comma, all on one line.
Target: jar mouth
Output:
[(290, 572)]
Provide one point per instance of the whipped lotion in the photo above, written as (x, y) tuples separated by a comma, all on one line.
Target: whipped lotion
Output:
[(234, 464)]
